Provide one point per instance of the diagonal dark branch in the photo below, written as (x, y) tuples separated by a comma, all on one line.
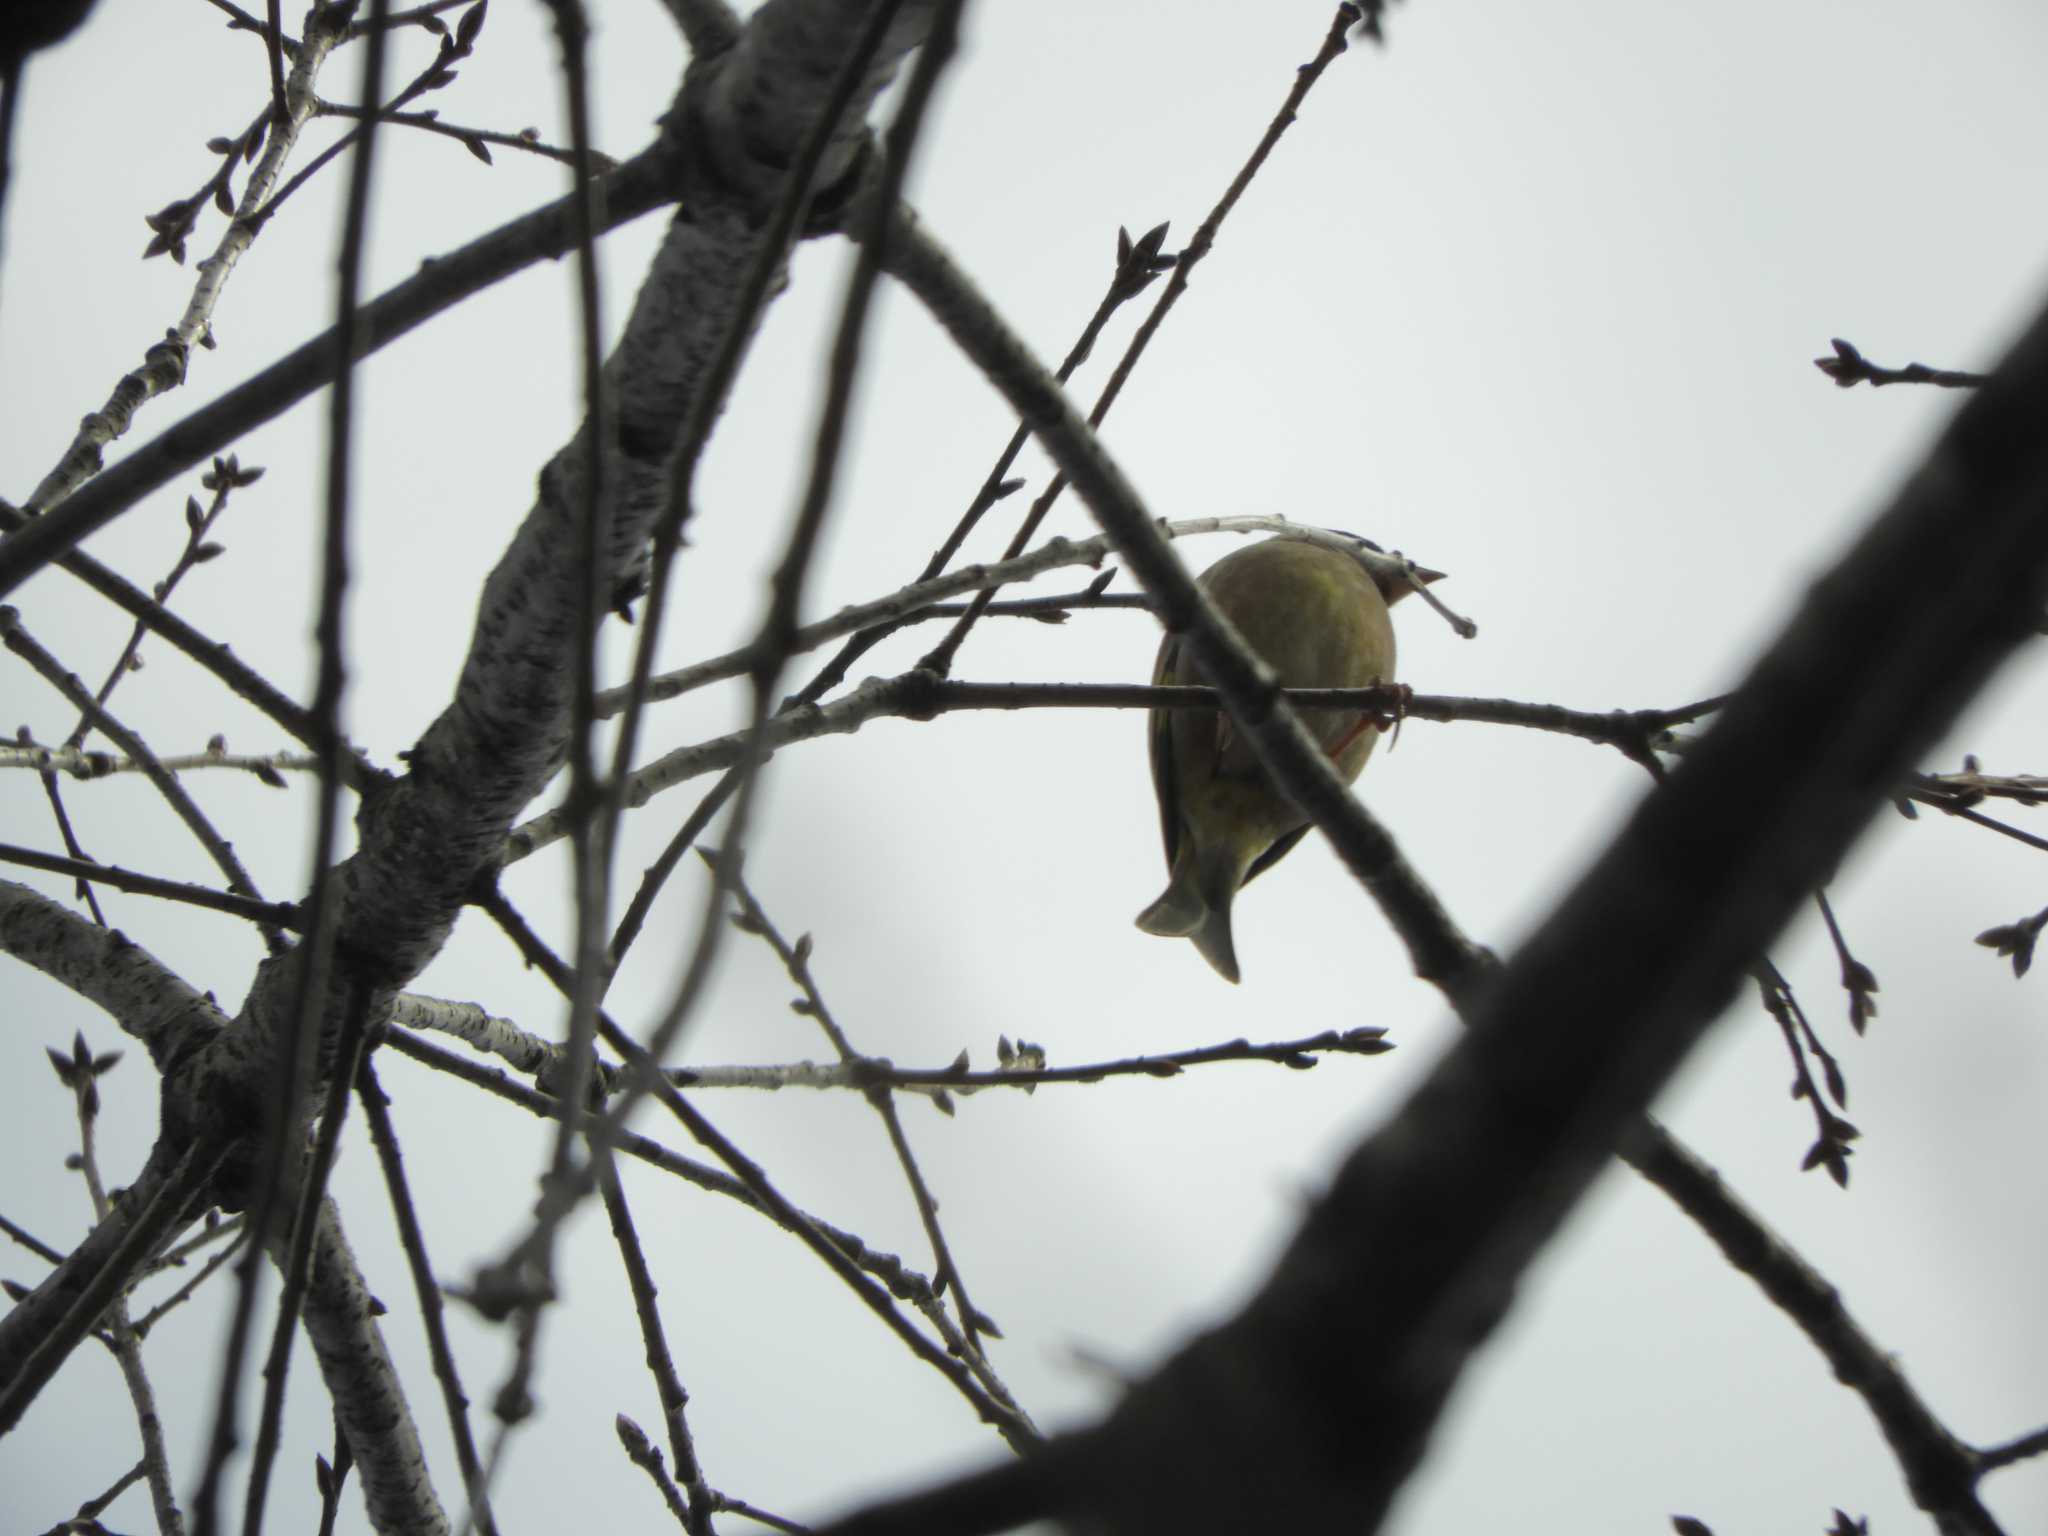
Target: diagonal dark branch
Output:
[(1440, 953), (1137, 264), (1940, 1469), (269, 913), (668, 1383), (593, 834), (391, 1162), (642, 183), (1413, 1256)]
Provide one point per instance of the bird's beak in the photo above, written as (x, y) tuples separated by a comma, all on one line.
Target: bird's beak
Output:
[(1416, 578)]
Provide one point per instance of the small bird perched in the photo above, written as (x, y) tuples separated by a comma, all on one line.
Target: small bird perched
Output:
[(1317, 617)]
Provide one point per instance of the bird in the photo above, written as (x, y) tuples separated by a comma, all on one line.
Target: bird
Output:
[(1318, 617)]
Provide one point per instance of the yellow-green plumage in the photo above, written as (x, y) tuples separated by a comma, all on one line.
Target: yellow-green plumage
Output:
[(1319, 620)]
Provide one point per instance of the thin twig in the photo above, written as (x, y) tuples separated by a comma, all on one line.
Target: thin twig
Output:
[(90, 1511), (761, 1516), (185, 1292), (787, 584), (424, 16), (500, 1285), (920, 597), (240, 20), (73, 848), (80, 1072), (1138, 263), (901, 1281), (592, 832), (1991, 823), (1858, 980), (1973, 785), (2022, 1449), (784, 220), (269, 142), (297, 1065), (1849, 367), (796, 960), (160, 1196), (920, 695), (454, 46), (212, 1230), (645, 1455), (85, 763), (1023, 1065), (18, 640), (433, 1315), (241, 679), (226, 476), (941, 657), (1833, 1135), (273, 48), (527, 140), (269, 914), (661, 1365), (1941, 1471), (642, 183), (31, 1242), (298, 1257)]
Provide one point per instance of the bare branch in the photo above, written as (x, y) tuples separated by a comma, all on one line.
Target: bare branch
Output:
[(18, 640), (1849, 367), (642, 183), (1345, 1347), (267, 913), (149, 1001), (165, 362)]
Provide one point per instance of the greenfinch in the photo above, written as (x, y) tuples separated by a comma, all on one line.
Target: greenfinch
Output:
[(1318, 617)]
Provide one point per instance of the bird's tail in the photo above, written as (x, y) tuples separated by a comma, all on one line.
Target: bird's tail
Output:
[(1214, 942), (1184, 912), (1180, 910)]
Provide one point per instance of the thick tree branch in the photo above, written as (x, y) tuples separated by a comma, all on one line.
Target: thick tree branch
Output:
[(149, 1001), (424, 838)]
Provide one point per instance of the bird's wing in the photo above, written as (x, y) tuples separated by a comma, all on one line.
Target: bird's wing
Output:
[(1281, 847)]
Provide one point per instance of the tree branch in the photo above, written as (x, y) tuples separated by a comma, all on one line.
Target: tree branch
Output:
[(1331, 1379)]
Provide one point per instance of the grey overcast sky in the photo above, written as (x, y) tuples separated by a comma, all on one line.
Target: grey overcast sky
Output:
[(1530, 294)]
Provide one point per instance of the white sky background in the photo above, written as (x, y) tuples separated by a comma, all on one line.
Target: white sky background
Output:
[(1530, 295)]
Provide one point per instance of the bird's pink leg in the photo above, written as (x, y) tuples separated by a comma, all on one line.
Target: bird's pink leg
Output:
[(1387, 719)]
